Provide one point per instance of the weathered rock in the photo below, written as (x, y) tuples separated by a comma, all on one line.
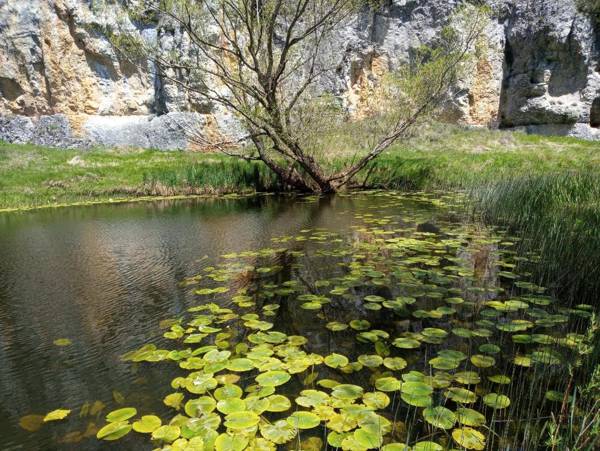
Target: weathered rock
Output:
[(552, 77), (61, 82)]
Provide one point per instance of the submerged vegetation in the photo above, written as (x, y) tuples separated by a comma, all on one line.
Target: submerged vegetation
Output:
[(414, 330)]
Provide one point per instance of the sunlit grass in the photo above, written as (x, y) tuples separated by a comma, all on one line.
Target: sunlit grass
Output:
[(559, 214), (438, 157)]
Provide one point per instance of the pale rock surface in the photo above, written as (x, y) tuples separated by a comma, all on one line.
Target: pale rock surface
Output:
[(62, 84)]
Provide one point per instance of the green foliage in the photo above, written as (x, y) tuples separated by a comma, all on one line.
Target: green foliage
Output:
[(559, 215), (440, 157)]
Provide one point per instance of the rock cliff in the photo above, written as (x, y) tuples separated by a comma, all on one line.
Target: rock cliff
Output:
[(62, 84)]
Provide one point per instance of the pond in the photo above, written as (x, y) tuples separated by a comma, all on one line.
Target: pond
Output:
[(352, 321)]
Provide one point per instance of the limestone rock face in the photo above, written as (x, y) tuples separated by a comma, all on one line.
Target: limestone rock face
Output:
[(62, 83), (552, 77)]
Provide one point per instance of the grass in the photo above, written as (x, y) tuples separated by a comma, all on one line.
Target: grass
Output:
[(441, 157), (33, 176), (559, 215)]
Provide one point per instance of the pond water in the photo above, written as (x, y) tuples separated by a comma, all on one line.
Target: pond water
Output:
[(399, 299)]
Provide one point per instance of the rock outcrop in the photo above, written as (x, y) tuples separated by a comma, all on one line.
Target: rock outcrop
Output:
[(62, 84)]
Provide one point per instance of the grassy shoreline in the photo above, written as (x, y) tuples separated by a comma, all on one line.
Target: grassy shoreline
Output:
[(446, 158)]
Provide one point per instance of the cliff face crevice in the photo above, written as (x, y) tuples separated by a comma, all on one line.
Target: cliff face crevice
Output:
[(539, 69)]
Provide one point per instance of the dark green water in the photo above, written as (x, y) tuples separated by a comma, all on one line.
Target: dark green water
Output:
[(106, 276)]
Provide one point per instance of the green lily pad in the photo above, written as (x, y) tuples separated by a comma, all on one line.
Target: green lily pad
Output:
[(336, 360), (416, 388), (347, 391), (198, 407), (489, 348), (360, 324), (467, 378), (406, 343), (368, 438), (114, 431), (228, 442), (272, 378), (427, 446), (470, 417), (440, 417), (499, 379), (388, 384), (228, 391), (240, 365), (231, 405), (469, 438), (312, 398), (166, 433), (496, 401), (461, 395), (443, 363), (278, 403), (370, 361), (147, 424), (483, 361), (174, 400), (241, 420), (279, 432), (335, 326), (56, 415), (376, 400), (303, 420), (417, 400), (395, 363), (121, 414)]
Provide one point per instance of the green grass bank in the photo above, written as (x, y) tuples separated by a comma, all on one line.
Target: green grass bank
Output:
[(446, 157)]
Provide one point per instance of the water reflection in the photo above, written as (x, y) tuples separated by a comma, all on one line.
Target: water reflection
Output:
[(104, 276)]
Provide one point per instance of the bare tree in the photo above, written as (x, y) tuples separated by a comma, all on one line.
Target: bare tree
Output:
[(261, 59)]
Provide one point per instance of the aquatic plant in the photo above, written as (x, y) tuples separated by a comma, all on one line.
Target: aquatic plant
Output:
[(426, 336)]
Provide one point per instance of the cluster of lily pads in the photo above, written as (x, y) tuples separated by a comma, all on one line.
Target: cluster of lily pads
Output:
[(425, 332)]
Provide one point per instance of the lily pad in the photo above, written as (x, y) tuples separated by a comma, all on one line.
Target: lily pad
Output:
[(56, 415), (483, 361), (121, 414), (198, 407), (228, 442), (388, 384), (395, 363), (496, 401), (114, 431), (461, 395), (347, 391), (241, 420), (470, 417), (279, 432), (336, 360), (62, 342), (166, 433), (440, 417), (147, 424), (469, 438), (303, 420), (278, 403), (272, 378)]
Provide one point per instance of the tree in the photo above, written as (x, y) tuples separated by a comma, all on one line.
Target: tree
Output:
[(261, 60)]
